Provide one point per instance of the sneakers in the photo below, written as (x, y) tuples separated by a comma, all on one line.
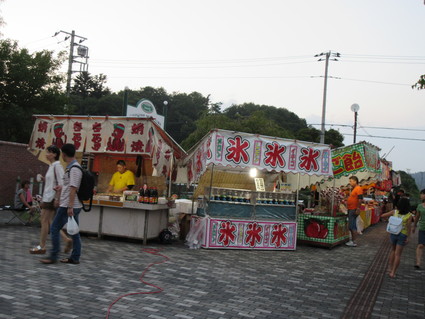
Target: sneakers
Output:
[(351, 243)]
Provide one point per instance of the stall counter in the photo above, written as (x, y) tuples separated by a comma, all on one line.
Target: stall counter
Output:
[(326, 231), (128, 219)]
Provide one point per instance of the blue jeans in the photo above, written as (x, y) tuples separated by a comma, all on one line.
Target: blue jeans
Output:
[(59, 221)]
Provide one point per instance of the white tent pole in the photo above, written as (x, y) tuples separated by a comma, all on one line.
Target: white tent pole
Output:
[(296, 199), (333, 199), (211, 181), (171, 175)]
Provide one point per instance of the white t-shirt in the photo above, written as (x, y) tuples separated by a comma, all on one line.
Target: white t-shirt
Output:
[(51, 181)]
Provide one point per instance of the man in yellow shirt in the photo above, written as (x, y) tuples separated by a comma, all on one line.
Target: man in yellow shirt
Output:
[(122, 180)]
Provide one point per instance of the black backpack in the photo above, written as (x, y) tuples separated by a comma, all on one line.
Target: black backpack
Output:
[(85, 191)]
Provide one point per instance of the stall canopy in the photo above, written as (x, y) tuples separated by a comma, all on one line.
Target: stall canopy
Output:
[(103, 134), (236, 150), (360, 159)]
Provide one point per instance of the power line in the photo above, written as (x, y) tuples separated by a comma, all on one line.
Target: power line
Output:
[(389, 137), (375, 127)]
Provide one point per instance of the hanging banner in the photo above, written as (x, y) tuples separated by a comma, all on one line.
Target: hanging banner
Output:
[(97, 130), (248, 234), (244, 150), (76, 131), (59, 136), (354, 158), (137, 137), (41, 135)]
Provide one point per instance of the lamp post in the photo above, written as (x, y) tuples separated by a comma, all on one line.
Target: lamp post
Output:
[(125, 101), (164, 112), (355, 108)]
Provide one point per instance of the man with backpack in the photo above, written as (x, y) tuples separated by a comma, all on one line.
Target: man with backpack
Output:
[(69, 205)]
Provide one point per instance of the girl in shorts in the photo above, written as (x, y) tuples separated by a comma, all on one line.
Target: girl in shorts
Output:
[(399, 241)]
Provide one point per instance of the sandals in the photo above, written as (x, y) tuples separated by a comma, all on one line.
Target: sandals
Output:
[(48, 261), (37, 250), (69, 261)]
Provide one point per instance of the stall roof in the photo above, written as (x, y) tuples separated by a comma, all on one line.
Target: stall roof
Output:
[(238, 151), (107, 123)]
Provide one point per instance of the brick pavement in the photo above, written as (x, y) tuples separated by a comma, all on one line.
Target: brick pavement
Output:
[(310, 282)]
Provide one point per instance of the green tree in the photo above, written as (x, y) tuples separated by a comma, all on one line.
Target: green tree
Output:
[(29, 84), (86, 85), (408, 184), (420, 85)]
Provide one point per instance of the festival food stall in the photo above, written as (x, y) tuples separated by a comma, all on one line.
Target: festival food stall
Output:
[(241, 212), (326, 225), (100, 141)]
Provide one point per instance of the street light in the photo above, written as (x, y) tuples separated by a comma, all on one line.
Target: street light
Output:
[(164, 112), (125, 102), (355, 108)]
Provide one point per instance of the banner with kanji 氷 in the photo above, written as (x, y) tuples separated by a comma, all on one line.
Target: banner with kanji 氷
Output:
[(250, 234), (242, 150), (354, 158)]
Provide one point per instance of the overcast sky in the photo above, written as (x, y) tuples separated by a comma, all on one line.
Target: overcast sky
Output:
[(256, 51)]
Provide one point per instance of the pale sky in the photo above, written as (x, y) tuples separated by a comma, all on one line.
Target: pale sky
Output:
[(255, 51)]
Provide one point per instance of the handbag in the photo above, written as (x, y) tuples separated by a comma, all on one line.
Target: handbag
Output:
[(72, 226)]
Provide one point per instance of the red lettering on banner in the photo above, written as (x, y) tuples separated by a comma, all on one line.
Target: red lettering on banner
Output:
[(274, 155), (292, 157), (309, 159), (237, 150), (77, 140), (253, 234), (40, 143), (42, 127), (137, 128), (137, 146)]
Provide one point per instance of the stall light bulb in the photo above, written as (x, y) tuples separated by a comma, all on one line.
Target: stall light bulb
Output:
[(253, 172)]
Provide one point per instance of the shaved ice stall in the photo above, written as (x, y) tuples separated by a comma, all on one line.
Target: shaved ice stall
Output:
[(239, 211), (100, 141), (327, 225)]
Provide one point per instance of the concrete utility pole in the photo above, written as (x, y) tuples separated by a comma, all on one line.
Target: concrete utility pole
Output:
[(327, 56), (82, 52)]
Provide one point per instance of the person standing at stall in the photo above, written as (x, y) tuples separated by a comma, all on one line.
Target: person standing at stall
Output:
[(420, 218), (122, 180), (353, 205), (69, 205)]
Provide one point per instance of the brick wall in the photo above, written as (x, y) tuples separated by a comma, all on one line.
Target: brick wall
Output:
[(16, 160)]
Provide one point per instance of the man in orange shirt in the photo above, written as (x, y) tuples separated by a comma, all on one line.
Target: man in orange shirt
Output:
[(353, 205)]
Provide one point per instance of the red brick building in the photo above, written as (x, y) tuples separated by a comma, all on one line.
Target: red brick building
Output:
[(17, 162)]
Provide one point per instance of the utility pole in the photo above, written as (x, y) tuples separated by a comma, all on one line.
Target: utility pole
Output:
[(82, 53), (327, 56)]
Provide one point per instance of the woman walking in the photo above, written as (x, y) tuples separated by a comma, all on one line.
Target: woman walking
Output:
[(400, 240), (53, 178)]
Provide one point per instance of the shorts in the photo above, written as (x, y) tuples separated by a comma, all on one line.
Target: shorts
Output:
[(399, 239), (421, 237), (352, 225)]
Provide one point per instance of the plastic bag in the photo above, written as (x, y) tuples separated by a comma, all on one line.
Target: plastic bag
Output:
[(72, 226), (359, 224)]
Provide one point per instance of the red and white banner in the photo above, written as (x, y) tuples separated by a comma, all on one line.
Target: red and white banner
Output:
[(234, 149)]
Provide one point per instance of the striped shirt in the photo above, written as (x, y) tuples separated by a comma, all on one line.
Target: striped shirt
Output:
[(72, 177)]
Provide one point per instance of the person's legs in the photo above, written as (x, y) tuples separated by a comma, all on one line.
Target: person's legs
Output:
[(396, 263), (46, 220), (76, 239), (59, 221), (420, 248), (352, 226)]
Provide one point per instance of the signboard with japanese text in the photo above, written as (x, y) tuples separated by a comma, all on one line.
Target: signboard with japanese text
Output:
[(243, 150), (249, 234), (354, 158), (120, 135)]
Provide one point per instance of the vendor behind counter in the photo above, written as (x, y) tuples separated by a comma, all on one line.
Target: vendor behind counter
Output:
[(122, 180)]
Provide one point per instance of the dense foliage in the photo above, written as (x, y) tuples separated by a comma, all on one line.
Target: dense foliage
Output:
[(32, 84)]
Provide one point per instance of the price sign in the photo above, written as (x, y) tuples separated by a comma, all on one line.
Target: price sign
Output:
[(259, 184)]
